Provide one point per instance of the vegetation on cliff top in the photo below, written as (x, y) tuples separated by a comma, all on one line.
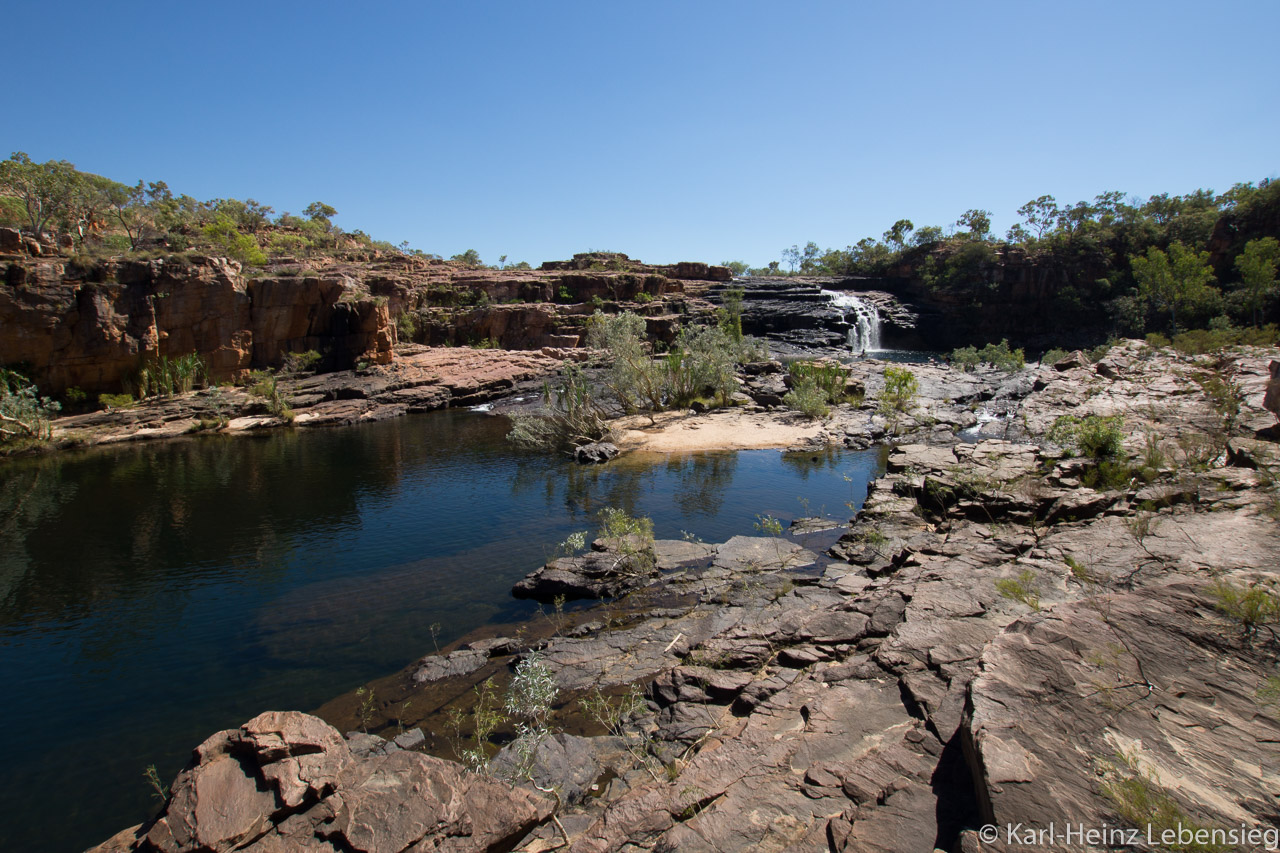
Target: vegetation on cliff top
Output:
[(101, 215), (1157, 265)]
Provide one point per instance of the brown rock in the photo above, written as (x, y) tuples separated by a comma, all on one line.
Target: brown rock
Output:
[(1271, 399), (392, 802), (216, 805), (10, 241), (1146, 686)]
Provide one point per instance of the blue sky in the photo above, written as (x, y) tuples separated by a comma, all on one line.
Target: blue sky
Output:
[(670, 131)]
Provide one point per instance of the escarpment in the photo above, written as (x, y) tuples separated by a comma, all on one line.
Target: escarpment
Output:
[(91, 324)]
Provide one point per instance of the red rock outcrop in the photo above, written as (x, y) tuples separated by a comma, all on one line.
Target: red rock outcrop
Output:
[(93, 326), (289, 781)]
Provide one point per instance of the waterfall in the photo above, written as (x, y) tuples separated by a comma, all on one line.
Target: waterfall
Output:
[(862, 317)]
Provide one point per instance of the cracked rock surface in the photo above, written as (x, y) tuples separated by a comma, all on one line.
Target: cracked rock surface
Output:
[(990, 640)]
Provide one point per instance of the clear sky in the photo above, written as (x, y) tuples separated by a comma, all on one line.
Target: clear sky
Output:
[(668, 130)]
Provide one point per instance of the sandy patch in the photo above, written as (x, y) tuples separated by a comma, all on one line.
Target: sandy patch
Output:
[(727, 429)]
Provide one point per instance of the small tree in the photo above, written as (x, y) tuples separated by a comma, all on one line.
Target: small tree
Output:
[(791, 257), (977, 222), (634, 378), (1041, 214), (1257, 266), (1175, 280), (47, 190), (128, 208), (470, 258), (899, 232), (900, 388), (320, 212)]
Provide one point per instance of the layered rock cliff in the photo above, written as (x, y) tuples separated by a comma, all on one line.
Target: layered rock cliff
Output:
[(87, 323)]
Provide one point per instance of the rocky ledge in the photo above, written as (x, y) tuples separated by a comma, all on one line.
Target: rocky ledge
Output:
[(421, 379), (990, 641)]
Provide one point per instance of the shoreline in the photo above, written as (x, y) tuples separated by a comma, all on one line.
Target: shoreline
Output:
[(896, 693)]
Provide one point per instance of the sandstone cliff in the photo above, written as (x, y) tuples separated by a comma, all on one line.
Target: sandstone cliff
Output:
[(92, 323)]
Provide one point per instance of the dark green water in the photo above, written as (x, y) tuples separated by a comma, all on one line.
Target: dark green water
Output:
[(152, 595)]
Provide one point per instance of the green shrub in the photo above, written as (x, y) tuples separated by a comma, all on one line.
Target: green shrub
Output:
[(729, 314), (1024, 588), (222, 232), (301, 362), (966, 358), (631, 538), (117, 242), (116, 401), (1109, 475), (1000, 356), (1094, 436), (574, 417), (24, 414), (829, 377), (644, 298), (530, 697), (289, 245), (900, 389), (1252, 607), (997, 355), (266, 386), (805, 396), (1198, 341), (1155, 339), (1054, 356), (406, 326)]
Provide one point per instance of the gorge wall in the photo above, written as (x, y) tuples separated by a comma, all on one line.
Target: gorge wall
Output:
[(88, 323)]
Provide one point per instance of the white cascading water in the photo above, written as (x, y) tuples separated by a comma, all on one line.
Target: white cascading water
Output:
[(863, 318)]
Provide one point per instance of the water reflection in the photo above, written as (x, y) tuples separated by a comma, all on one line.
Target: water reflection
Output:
[(161, 592)]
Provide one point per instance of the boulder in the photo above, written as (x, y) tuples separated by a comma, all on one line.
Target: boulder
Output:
[(598, 574), (287, 781), (1271, 399), (596, 453), (10, 241)]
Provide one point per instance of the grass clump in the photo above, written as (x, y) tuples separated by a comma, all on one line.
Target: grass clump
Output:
[(1140, 801), (164, 376), (267, 387), (1025, 588), (1251, 607)]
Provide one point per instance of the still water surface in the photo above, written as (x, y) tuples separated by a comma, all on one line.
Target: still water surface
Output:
[(152, 595)]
